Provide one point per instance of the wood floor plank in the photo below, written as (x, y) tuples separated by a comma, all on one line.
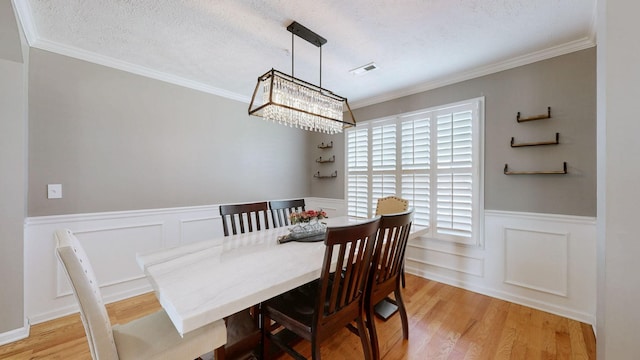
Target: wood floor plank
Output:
[(578, 346), (444, 323), (589, 340)]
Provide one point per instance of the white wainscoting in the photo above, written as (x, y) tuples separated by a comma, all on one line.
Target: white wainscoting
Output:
[(111, 241), (544, 261)]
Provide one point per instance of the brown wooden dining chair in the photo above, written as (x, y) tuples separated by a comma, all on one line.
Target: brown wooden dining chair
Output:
[(237, 215), (384, 279), (281, 209), (243, 328), (392, 205), (316, 311)]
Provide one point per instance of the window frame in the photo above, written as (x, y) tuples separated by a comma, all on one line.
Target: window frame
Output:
[(476, 105)]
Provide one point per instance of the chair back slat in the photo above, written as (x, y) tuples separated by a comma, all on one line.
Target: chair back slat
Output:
[(239, 214), (281, 209), (345, 271)]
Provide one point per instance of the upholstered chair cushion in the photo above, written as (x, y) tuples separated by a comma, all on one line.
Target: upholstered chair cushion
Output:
[(155, 337)]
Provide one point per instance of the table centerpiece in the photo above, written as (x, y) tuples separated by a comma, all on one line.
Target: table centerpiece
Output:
[(306, 225)]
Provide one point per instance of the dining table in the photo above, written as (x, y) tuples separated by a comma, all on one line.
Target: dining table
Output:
[(205, 281)]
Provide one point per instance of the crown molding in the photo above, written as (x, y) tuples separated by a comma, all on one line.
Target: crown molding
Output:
[(580, 44), (572, 46), (24, 13), (33, 39), (23, 10), (135, 69)]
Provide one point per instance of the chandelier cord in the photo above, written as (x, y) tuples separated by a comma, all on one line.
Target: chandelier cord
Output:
[(320, 66), (293, 52)]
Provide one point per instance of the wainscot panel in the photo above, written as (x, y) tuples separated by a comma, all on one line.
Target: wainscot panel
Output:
[(111, 241), (544, 261)]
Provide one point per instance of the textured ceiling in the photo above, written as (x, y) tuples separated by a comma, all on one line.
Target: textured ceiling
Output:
[(222, 46)]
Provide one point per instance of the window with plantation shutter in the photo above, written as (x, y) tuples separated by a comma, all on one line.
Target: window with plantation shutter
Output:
[(429, 157)]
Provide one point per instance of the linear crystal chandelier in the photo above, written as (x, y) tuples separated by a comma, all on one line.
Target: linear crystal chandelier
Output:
[(297, 103)]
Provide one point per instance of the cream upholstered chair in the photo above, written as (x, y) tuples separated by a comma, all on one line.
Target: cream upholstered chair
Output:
[(391, 205), (150, 337)]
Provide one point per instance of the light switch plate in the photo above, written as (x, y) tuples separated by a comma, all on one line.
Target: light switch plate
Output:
[(54, 191)]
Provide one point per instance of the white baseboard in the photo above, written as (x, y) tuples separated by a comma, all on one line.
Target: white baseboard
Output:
[(502, 295), (16, 334)]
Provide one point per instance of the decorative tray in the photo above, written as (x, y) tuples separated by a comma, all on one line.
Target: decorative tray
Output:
[(302, 237)]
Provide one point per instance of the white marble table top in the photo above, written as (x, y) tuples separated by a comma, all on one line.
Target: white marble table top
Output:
[(206, 281)]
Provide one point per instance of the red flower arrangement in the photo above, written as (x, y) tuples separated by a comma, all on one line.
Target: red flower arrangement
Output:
[(306, 216)]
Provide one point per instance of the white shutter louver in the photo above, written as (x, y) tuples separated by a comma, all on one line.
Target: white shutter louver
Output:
[(454, 168), (383, 161), (416, 188), (357, 179), (454, 204), (416, 161), (381, 185), (357, 195), (357, 145)]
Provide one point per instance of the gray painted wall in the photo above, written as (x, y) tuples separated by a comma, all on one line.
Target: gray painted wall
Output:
[(118, 141), (13, 125), (566, 83)]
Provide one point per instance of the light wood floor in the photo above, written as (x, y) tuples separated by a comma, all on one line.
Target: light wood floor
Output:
[(444, 323)]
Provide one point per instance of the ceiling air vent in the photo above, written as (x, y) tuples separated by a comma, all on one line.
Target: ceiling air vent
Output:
[(364, 69)]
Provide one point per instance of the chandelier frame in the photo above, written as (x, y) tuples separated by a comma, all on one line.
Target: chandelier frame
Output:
[(270, 102)]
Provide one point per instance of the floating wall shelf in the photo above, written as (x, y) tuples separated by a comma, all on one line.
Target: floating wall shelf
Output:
[(333, 175), (325, 146), (322, 161), (537, 117), (545, 172), (551, 142)]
